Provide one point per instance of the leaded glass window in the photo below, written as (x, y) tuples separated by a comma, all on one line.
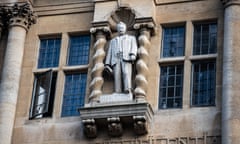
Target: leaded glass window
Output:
[(171, 86), (173, 41), (74, 93), (203, 83), (43, 95), (49, 52), (78, 50), (205, 39)]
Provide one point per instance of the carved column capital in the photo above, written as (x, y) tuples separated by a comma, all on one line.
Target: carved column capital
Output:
[(104, 29), (227, 3), (20, 15), (145, 26)]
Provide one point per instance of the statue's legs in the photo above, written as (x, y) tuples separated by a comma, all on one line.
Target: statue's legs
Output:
[(117, 77), (127, 76)]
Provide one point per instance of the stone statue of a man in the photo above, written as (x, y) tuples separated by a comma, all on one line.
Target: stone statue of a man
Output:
[(121, 54)]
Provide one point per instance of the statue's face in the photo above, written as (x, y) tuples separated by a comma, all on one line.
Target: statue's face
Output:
[(121, 28)]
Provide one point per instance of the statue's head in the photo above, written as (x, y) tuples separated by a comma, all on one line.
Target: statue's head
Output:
[(121, 28)]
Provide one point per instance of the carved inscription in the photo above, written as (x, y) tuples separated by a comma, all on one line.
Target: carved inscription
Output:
[(180, 140)]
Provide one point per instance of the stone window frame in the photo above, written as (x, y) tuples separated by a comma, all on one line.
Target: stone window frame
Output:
[(171, 61), (61, 70), (203, 58), (74, 69), (188, 59)]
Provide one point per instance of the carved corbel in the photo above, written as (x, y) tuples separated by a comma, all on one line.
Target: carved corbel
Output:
[(140, 125), (114, 126), (90, 128)]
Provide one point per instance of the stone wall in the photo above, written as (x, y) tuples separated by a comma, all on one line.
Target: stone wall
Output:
[(170, 126)]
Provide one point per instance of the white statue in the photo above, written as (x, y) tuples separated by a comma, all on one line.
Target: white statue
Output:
[(121, 54)]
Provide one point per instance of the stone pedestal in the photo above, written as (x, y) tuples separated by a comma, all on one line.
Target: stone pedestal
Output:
[(114, 116)]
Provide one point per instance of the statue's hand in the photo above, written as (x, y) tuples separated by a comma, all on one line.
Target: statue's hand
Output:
[(132, 57), (108, 69)]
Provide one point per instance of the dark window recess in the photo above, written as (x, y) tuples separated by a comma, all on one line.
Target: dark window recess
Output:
[(43, 95)]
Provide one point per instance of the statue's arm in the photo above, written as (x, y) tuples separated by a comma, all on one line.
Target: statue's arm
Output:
[(133, 53), (107, 66), (109, 55)]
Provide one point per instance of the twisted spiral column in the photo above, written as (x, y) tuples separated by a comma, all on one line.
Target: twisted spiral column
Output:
[(98, 65), (145, 31)]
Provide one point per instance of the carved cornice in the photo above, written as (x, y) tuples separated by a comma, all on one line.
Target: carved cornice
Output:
[(227, 3), (19, 15)]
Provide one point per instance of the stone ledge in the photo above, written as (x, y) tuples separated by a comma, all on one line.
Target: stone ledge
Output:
[(114, 115), (116, 109)]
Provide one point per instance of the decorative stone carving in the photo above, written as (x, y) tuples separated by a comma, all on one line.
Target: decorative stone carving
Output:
[(124, 14), (20, 15), (205, 139), (90, 128), (140, 125), (114, 126), (100, 34), (145, 30)]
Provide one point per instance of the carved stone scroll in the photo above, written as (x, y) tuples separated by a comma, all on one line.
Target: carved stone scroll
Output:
[(98, 65)]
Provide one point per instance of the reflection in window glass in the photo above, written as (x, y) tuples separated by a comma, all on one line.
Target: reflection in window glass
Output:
[(173, 41), (79, 50), (74, 93), (171, 86), (49, 52), (203, 83), (205, 39)]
